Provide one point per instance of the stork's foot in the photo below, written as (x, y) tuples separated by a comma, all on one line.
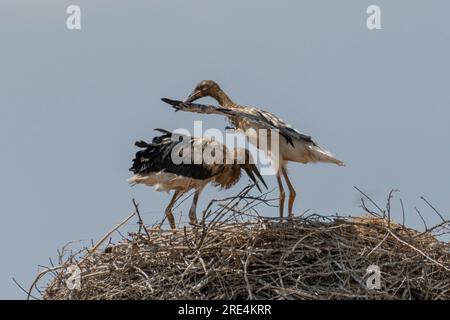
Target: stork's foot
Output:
[(281, 206), (291, 204), (172, 222), (193, 223)]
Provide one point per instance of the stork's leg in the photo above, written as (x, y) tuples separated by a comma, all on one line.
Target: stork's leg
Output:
[(168, 211), (282, 195), (292, 192), (193, 209)]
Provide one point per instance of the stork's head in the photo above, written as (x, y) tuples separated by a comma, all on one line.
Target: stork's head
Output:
[(243, 158), (206, 88)]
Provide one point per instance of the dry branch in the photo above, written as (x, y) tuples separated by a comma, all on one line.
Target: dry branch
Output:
[(235, 254)]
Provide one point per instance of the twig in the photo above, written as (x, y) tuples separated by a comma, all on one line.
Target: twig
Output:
[(141, 223), (418, 250), (388, 205), (91, 251), (421, 217), (21, 288), (373, 202), (403, 212), (434, 209)]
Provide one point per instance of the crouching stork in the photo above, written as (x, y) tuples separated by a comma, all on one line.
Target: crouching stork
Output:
[(173, 162)]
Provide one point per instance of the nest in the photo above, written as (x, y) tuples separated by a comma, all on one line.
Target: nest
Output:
[(235, 254)]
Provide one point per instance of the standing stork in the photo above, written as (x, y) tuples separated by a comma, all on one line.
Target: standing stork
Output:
[(155, 166), (295, 146)]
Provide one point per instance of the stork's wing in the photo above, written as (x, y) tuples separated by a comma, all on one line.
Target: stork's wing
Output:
[(157, 156), (261, 118), (258, 118), (285, 129)]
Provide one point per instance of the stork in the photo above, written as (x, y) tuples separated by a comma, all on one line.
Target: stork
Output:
[(295, 146), (168, 163)]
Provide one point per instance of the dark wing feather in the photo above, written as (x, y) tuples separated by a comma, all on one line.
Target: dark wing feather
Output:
[(285, 129), (259, 121), (157, 156)]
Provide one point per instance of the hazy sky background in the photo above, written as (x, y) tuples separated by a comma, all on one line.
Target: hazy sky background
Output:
[(72, 104)]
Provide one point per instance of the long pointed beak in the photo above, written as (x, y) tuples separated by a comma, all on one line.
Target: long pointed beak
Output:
[(251, 172), (196, 94), (256, 171)]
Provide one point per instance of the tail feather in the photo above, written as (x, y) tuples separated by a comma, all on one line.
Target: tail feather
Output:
[(162, 131), (141, 144), (132, 180)]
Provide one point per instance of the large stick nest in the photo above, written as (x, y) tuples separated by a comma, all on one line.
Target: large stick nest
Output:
[(234, 254)]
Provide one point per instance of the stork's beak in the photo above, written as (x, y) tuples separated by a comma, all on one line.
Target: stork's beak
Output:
[(252, 170), (196, 94)]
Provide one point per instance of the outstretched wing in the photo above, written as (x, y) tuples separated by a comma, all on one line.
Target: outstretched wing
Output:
[(258, 117), (270, 121)]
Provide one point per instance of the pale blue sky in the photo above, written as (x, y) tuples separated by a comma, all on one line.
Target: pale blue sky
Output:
[(73, 102)]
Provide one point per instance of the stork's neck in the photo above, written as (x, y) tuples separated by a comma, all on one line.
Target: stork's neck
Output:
[(224, 100), (230, 176)]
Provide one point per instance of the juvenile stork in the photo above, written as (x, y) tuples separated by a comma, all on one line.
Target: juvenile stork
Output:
[(295, 146), (168, 163)]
